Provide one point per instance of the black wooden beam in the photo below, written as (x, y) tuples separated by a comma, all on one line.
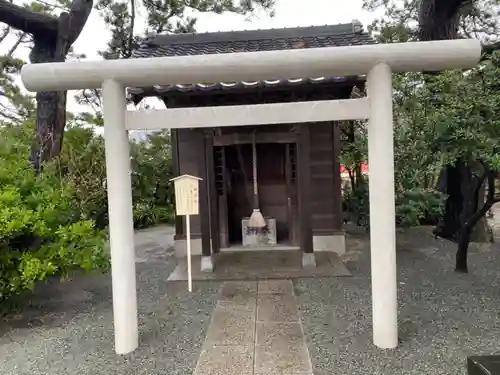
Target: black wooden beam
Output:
[(213, 203), (304, 182), (242, 138), (337, 181), (179, 227), (203, 194)]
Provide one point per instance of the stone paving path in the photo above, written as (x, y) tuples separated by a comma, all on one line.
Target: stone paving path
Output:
[(255, 330)]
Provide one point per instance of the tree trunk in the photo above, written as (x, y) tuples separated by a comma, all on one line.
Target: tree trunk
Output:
[(464, 199), (439, 20), (449, 183), (471, 221), (53, 38), (50, 124), (461, 257), (481, 232), (51, 108)]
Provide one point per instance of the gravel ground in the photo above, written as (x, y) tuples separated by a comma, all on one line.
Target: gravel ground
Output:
[(443, 316), (67, 328)]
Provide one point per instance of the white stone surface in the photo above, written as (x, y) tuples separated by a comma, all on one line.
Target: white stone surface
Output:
[(308, 260), (121, 224), (256, 238), (245, 66), (255, 114), (382, 208), (207, 264), (334, 243), (181, 247)]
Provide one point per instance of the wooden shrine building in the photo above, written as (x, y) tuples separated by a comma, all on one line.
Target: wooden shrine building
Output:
[(297, 166)]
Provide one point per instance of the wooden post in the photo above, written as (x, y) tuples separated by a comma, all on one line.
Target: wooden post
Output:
[(304, 180), (337, 182), (179, 228), (213, 204), (188, 252), (206, 253)]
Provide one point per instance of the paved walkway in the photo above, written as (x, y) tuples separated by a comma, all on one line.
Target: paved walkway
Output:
[(255, 330)]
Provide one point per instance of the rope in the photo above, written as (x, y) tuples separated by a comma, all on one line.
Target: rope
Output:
[(254, 164)]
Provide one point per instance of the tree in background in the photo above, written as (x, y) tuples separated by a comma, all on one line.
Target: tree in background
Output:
[(173, 16), (425, 102), (15, 105), (51, 36), (53, 28)]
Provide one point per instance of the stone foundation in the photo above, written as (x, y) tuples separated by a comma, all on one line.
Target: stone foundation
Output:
[(181, 247), (334, 243)]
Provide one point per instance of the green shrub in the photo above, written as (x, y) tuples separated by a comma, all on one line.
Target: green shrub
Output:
[(418, 207), (413, 207), (83, 164), (356, 204), (41, 229)]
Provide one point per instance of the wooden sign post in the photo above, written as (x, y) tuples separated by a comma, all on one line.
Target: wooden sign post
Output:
[(187, 204)]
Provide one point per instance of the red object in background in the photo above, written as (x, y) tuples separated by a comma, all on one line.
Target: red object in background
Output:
[(364, 168)]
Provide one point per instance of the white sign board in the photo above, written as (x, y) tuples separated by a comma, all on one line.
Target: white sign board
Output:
[(187, 204), (186, 195)]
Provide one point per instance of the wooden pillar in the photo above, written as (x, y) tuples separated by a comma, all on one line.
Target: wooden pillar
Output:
[(203, 194), (304, 182), (213, 204), (337, 181), (179, 227)]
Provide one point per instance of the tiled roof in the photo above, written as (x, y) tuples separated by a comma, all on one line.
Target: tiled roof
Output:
[(162, 45)]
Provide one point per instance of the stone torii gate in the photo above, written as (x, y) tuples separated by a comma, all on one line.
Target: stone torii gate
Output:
[(377, 61)]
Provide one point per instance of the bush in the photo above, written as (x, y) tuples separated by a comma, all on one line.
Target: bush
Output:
[(83, 163), (419, 207), (413, 207), (41, 229), (152, 191), (356, 204)]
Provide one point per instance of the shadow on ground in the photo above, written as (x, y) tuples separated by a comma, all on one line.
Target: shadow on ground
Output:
[(67, 328)]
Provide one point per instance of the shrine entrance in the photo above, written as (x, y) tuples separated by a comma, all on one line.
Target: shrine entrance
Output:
[(275, 190)]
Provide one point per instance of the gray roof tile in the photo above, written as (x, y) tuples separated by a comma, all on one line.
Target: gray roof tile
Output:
[(163, 45)]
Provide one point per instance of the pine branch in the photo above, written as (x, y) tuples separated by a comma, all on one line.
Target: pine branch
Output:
[(77, 18), (488, 49), (5, 33), (27, 21)]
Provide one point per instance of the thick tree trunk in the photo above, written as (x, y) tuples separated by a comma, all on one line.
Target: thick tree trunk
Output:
[(464, 199), (449, 183), (50, 123), (439, 19), (51, 108), (53, 37), (471, 221)]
